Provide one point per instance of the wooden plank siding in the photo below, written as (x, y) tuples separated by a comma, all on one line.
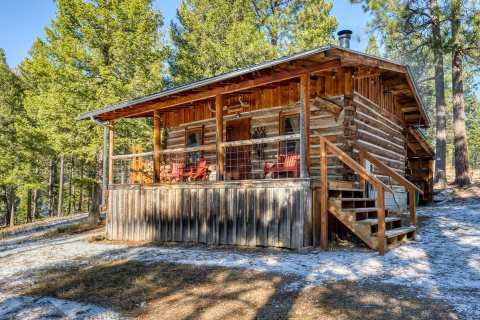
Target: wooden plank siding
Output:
[(276, 214)]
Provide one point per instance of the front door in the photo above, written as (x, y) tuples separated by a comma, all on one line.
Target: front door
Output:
[(237, 159)]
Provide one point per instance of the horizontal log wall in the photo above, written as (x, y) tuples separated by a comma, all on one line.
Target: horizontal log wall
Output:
[(380, 134), (276, 214)]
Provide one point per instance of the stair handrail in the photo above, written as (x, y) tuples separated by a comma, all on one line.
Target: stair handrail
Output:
[(365, 155), (402, 181), (325, 147)]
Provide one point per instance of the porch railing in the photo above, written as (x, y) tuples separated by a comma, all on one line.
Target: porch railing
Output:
[(176, 165), (262, 158)]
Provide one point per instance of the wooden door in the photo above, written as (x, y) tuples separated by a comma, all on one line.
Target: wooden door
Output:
[(238, 162)]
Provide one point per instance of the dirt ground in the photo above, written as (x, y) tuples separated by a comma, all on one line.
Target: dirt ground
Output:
[(64, 270), (173, 291)]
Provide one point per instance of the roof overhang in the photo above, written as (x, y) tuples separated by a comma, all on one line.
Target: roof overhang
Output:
[(316, 60)]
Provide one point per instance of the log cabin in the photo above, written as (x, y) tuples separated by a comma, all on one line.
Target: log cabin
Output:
[(296, 152)]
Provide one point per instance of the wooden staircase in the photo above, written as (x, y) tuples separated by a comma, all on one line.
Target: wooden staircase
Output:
[(359, 214), (366, 217)]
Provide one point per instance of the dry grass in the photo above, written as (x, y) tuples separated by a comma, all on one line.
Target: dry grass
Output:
[(72, 229), (5, 231), (171, 291)]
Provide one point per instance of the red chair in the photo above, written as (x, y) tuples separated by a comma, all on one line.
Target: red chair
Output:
[(199, 172), (285, 163), (177, 172)]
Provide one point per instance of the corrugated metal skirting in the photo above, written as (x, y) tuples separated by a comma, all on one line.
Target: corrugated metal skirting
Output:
[(276, 214)]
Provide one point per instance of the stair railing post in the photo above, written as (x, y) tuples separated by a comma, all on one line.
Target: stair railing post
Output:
[(362, 163), (412, 199), (324, 194), (381, 219)]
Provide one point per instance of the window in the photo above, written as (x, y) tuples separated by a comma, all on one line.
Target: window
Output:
[(289, 124), (193, 138)]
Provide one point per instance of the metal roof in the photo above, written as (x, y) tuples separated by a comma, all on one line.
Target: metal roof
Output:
[(233, 74)]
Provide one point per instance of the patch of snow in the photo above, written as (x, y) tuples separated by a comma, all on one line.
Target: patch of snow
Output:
[(443, 262), (26, 308)]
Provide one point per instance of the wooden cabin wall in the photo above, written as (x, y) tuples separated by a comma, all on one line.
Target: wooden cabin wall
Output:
[(373, 89), (263, 107), (380, 134)]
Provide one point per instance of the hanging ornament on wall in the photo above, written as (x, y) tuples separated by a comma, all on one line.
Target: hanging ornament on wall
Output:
[(259, 149)]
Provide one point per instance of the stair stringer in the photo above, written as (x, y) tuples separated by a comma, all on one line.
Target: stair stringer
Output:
[(361, 230)]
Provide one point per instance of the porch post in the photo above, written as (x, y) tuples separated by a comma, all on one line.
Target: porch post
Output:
[(111, 136), (219, 128), (105, 169), (304, 125), (156, 145)]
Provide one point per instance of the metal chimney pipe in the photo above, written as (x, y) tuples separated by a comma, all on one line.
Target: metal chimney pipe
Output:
[(344, 37)]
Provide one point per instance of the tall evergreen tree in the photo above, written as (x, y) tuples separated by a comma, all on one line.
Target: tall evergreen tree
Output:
[(20, 141), (10, 106), (94, 53), (295, 25), (458, 10), (372, 46), (213, 38)]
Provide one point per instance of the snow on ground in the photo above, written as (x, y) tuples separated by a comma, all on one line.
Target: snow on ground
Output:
[(444, 262)]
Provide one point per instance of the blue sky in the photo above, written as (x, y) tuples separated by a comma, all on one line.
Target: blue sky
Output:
[(21, 21)]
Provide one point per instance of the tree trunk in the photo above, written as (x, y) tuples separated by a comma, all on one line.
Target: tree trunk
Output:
[(441, 123), (51, 188), (12, 212), (462, 177), (80, 197), (34, 204), (95, 203), (7, 206), (29, 206), (96, 194), (71, 191), (60, 186)]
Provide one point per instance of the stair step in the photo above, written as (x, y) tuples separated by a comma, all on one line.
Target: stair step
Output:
[(375, 221), (359, 210), (398, 231), (345, 188), (340, 184), (354, 199)]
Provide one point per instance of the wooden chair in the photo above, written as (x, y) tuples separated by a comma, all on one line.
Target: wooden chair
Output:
[(176, 174), (199, 172), (285, 163)]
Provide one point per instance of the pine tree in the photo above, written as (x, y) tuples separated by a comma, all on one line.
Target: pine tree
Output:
[(295, 25), (372, 46), (93, 54), (212, 39), (20, 141), (458, 31)]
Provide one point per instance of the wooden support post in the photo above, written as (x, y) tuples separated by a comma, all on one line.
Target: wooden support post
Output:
[(348, 80), (111, 142), (381, 219), (324, 195), (362, 163), (219, 128), (304, 124), (157, 146), (412, 199)]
